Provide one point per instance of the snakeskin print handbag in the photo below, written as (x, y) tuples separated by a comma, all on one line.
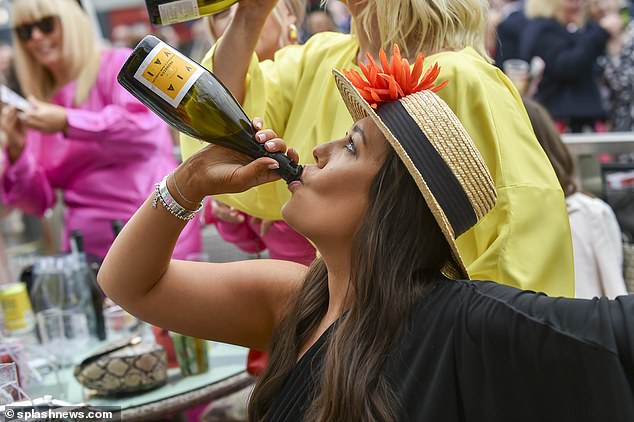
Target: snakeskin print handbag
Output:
[(128, 366)]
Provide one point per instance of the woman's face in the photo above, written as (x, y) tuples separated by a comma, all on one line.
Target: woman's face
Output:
[(269, 41), (275, 33), (45, 42), (571, 11), (597, 9), (219, 22), (333, 195)]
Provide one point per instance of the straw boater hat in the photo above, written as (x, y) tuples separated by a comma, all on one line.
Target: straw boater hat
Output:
[(429, 139)]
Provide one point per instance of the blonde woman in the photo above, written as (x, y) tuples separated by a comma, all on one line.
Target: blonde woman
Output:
[(569, 45), (517, 242), (83, 134)]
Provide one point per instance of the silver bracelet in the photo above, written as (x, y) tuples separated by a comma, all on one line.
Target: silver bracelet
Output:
[(163, 195), (178, 191)]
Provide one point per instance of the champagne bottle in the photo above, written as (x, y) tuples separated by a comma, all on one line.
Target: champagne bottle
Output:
[(88, 281), (192, 100), (167, 12)]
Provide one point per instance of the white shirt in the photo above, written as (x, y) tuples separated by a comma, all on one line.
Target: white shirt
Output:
[(597, 247)]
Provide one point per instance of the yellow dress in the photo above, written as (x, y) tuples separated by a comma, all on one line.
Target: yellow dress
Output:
[(524, 241)]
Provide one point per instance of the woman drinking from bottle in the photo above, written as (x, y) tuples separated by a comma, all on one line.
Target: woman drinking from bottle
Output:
[(385, 325)]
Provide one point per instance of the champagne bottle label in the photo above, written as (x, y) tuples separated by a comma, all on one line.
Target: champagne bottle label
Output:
[(178, 11), (168, 73)]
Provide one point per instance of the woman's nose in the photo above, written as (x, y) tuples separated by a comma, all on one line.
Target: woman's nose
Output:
[(321, 153), (36, 34)]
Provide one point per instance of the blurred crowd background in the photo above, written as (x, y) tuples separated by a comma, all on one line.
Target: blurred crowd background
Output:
[(572, 56)]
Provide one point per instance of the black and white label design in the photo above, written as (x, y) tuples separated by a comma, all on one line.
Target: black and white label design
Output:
[(178, 11)]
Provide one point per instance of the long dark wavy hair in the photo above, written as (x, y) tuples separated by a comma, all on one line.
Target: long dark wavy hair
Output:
[(398, 251)]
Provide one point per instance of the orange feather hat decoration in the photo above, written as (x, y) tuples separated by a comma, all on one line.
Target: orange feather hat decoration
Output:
[(396, 79)]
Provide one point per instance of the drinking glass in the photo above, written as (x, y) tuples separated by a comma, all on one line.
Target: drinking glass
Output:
[(119, 323), (76, 331), (50, 324), (518, 71)]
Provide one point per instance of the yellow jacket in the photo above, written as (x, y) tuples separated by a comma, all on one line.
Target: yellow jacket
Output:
[(524, 241)]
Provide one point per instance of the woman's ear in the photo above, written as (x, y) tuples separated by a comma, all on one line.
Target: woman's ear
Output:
[(291, 29)]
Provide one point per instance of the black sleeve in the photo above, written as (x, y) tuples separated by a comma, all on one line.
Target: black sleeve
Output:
[(532, 320)]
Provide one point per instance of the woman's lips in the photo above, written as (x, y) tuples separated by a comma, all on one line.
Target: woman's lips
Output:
[(294, 185)]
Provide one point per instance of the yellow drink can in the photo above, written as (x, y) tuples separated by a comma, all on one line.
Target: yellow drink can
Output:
[(16, 308)]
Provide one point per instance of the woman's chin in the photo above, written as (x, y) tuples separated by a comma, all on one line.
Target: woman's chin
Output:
[(293, 219)]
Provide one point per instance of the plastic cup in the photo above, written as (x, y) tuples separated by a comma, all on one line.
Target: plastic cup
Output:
[(119, 323), (76, 331), (518, 71), (50, 325)]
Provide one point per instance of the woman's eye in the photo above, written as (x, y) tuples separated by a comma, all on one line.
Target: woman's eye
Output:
[(350, 147)]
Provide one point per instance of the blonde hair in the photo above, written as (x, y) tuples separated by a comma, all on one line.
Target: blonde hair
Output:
[(427, 26), (80, 46), (541, 8), (296, 8)]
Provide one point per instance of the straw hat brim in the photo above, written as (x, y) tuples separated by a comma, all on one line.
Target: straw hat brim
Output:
[(359, 109)]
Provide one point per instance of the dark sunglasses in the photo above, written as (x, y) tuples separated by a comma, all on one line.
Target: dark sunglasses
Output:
[(46, 25)]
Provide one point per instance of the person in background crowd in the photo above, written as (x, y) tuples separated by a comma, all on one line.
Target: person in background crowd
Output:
[(7, 74), (121, 36), (201, 39), (298, 100), (280, 29), (618, 76), (168, 34), (339, 14), (508, 31), (319, 21), (559, 34), (376, 329), (596, 237), (84, 134), (128, 36), (7, 67)]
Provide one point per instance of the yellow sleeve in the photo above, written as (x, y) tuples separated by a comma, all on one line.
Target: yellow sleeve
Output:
[(270, 88), (525, 240)]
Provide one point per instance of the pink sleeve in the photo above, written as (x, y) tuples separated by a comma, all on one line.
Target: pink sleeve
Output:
[(241, 235), (123, 119), (126, 121), (25, 185)]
